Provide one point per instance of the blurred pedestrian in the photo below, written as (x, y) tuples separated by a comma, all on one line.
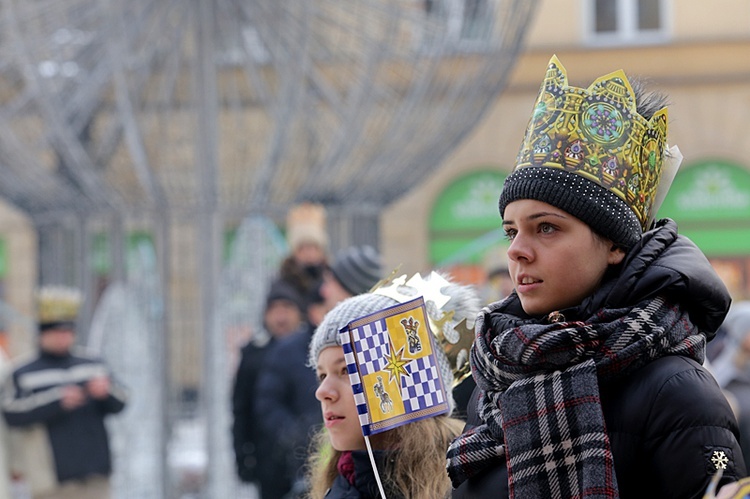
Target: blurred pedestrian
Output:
[(283, 315), (60, 399), (589, 375), (732, 368), (286, 405), (354, 271), (307, 237)]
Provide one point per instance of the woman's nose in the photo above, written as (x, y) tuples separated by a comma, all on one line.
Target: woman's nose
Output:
[(520, 249)]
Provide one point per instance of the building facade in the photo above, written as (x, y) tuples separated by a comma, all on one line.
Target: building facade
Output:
[(696, 52)]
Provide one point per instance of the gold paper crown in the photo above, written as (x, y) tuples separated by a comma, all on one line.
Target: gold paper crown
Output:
[(58, 304), (454, 336), (598, 134)]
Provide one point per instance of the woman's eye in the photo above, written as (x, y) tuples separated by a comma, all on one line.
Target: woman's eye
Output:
[(510, 234), (321, 377), (345, 372), (546, 228)]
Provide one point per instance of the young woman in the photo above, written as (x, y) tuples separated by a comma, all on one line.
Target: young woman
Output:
[(410, 458), (589, 375)]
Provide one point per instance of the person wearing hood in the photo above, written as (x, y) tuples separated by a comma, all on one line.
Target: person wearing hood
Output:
[(590, 377)]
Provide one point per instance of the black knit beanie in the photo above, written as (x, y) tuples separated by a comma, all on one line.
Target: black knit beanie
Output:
[(600, 209)]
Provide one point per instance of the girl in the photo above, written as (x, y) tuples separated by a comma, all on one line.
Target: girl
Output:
[(410, 458), (589, 375)]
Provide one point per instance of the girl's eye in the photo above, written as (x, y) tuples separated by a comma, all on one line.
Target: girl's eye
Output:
[(510, 234), (321, 377), (345, 371), (546, 228)]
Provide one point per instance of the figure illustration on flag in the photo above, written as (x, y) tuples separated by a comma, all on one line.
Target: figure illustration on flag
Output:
[(390, 356)]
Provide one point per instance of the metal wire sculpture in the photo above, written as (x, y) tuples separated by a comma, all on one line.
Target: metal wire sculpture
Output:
[(190, 115)]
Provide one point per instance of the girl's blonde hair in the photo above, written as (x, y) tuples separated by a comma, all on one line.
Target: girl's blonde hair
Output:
[(417, 469)]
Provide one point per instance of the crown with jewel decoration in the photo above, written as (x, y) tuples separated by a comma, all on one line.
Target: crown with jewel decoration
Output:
[(598, 134), (451, 311)]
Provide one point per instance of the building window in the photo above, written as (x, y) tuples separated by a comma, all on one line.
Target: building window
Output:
[(466, 20), (614, 22)]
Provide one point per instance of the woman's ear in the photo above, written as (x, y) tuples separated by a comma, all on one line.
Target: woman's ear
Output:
[(616, 254)]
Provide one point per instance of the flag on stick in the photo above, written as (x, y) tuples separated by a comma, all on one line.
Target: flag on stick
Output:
[(390, 355)]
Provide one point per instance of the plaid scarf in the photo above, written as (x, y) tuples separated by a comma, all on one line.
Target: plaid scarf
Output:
[(540, 400)]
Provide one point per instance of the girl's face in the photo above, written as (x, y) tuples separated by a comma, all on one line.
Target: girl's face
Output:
[(337, 401), (554, 259)]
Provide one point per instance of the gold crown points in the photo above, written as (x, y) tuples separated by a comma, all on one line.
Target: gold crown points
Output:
[(454, 339), (58, 303), (598, 134)]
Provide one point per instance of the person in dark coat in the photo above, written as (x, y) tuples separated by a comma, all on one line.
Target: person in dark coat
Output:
[(283, 315), (286, 409), (589, 375), (63, 395)]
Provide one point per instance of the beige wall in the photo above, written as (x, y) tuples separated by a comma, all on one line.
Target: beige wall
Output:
[(18, 232), (705, 69)]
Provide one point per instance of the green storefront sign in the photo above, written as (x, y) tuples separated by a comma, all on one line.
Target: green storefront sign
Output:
[(710, 201), (464, 222)]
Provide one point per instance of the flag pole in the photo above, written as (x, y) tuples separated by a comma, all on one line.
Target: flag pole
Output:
[(374, 467)]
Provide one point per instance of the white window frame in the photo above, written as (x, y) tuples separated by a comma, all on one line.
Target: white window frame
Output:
[(627, 32)]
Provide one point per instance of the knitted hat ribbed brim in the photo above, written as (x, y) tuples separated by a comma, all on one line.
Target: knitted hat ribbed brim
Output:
[(600, 209)]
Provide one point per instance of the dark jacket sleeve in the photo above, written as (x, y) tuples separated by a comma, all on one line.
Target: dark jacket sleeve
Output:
[(243, 422), (273, 407), (670, 428), (23, 409), (117, 399)]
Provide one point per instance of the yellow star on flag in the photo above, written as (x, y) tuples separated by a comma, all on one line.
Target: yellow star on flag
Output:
[(396, 366)]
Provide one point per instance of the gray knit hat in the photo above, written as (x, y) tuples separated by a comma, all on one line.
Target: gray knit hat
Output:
[(327, 333), (357, 268), (464, 302)]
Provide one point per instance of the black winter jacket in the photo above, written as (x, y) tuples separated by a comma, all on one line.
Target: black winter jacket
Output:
[(286, 407), (247, 437), (669, 424), (78, 438)]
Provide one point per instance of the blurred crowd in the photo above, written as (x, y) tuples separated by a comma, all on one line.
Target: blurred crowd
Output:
[(274, 406)]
